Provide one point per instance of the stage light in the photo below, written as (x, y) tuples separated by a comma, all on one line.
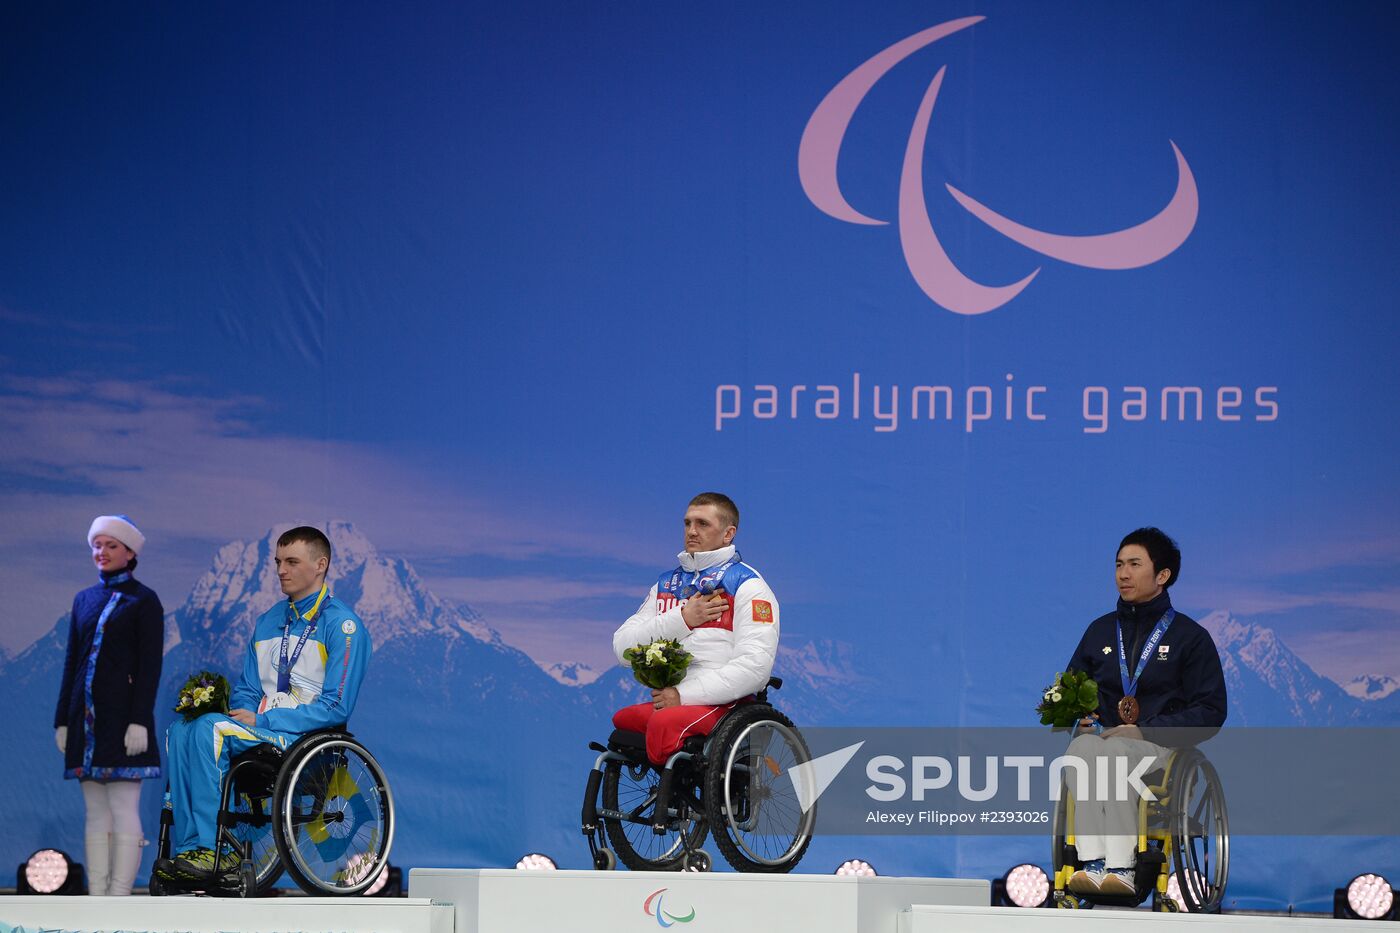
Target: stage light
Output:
[(1025, 885), (856, 868), (388, 884), (50, 871), (536, 862), (1366, 897), (1174, 889)]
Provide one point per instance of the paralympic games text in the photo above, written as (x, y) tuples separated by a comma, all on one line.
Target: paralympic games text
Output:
[(1101, 406)]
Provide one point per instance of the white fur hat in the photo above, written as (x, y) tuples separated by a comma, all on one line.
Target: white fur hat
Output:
[(119, 527)]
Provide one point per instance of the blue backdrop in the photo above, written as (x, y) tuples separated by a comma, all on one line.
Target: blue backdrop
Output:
[(496, 287)]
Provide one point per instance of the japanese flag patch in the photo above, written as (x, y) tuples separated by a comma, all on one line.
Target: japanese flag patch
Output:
[(762, 610)]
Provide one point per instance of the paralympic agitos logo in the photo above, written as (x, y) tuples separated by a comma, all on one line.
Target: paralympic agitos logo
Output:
[(652, 908), (928, 262)]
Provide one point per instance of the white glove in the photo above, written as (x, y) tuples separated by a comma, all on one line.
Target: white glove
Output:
[(61, 736), (135, 739)]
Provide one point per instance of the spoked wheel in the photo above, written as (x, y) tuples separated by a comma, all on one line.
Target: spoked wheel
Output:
[(252, 826), (750, 795), (1200, 832), (333, 817), (631, 789)]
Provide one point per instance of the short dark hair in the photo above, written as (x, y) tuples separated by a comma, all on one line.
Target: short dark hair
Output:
[(727, 509), (1160, 548), (313, 538)]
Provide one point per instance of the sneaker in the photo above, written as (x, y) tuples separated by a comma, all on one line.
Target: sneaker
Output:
[(166, 869), (1118, 881), (199, 863), (1089, 877)]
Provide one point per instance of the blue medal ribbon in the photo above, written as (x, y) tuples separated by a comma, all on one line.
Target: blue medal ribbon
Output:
[(284, 667), (706, 581), (1130, 684)]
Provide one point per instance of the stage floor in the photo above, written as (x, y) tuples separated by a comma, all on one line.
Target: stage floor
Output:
[(448, 900)]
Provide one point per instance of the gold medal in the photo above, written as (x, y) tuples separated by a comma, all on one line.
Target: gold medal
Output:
[(1128, 710)]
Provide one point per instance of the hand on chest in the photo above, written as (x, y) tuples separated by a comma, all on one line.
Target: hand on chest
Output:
[(666, 600)]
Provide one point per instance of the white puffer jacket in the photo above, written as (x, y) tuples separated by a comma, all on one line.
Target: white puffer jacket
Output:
[(732, 656)]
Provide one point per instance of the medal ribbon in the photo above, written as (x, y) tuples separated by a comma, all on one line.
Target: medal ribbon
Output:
[(704, 581), (284, 667), (1130, 683)]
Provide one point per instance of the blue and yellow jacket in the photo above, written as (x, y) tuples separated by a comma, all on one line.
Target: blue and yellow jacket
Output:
[(326, 678)]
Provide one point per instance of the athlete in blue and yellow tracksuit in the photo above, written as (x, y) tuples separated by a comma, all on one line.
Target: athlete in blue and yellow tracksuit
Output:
[(327, 650)]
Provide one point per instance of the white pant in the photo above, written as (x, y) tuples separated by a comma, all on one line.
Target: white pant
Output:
[(1105, 819)]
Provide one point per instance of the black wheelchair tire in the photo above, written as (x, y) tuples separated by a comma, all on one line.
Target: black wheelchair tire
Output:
[(285, 831), (1208, 900), (717, 749), (622, 844), (1061, 852)]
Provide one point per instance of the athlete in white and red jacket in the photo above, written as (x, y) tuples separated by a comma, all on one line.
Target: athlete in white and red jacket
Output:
[(722, 611)]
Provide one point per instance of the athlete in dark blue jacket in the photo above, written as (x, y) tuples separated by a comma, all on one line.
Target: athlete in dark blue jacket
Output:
[(1181, 685), (1160, 686)]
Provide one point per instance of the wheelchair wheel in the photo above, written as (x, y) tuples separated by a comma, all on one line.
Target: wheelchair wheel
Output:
[(632, 789), (1200, 831), (750, 798), (333, 816), (258, 834)]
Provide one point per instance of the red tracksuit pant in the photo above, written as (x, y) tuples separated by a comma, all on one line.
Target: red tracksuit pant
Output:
[(667, 728)]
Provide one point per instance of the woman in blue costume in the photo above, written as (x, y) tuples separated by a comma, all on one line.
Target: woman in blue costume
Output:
[(106, 707)]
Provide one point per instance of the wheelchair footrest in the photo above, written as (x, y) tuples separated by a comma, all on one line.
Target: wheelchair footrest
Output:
[(235, 818)]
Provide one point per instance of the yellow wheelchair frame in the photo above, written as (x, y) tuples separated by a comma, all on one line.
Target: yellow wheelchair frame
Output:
[(1186, 826)]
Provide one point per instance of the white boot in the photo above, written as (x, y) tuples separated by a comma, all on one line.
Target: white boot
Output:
[(98, 866), (126, 859)]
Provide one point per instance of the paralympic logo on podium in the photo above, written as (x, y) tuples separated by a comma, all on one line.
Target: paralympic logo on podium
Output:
[(934, 271), (663, 917)]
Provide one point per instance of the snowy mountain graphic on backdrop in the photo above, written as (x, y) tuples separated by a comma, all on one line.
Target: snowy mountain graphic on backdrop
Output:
[(1371, 686), (573, 674), (1269, 685)]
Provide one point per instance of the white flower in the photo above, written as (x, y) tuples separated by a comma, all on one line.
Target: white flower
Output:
[(1054, 696), (203, 694), (656, 653)]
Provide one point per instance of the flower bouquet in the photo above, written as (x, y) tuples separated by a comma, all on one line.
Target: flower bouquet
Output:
[(1069, 699), (658, 665), (205, 692)]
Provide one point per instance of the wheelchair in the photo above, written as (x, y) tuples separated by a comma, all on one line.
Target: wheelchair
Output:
[(1187, 826), (322, 811), (737, 782)]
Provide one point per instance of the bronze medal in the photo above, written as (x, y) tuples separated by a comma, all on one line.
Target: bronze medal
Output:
[(1128, 710)]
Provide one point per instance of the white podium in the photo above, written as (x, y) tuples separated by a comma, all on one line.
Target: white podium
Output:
[(225, 915), (514, 901)]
